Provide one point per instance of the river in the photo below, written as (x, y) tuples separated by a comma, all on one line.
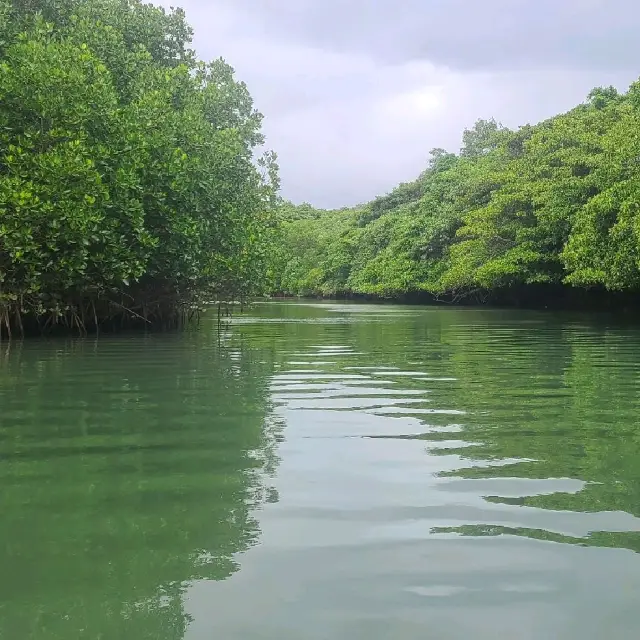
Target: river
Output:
[(325, 471)]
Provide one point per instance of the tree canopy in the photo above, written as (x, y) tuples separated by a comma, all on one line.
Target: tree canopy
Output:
[(129, 187), (132, 190), (555, 203)]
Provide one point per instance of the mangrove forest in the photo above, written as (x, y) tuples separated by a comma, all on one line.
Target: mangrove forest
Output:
[(135, 190), (131, 192), (545, 210)]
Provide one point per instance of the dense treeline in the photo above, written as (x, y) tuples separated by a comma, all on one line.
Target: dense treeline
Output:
[(128, 187), (553, 204)]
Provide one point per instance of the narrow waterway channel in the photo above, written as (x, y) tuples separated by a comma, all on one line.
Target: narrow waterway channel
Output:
[(325, 471)]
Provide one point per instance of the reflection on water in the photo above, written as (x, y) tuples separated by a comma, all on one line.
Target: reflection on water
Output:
[(328, 471), (129, 467)]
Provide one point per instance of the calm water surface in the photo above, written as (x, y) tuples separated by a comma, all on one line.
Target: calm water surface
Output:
[(325, 471)]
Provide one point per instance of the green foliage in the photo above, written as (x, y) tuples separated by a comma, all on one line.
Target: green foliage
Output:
[(555, 203), (307, 252), (483, 138), (127, 177), (604, 246)]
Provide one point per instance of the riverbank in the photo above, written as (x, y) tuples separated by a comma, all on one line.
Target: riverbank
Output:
[(129, 187), (542, 216), (533, 297)]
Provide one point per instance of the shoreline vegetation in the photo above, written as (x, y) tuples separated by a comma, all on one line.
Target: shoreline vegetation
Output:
[(130, 190), (547, 216), (132, 194)]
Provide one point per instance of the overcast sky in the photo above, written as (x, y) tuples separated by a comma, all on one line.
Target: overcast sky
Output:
[(355, 93)]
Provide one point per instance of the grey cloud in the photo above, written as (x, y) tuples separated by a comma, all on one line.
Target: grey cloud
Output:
[(461, 34), (356, 92), (340, 157)]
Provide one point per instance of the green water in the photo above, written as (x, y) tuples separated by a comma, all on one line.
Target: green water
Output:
[(325, 471)]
